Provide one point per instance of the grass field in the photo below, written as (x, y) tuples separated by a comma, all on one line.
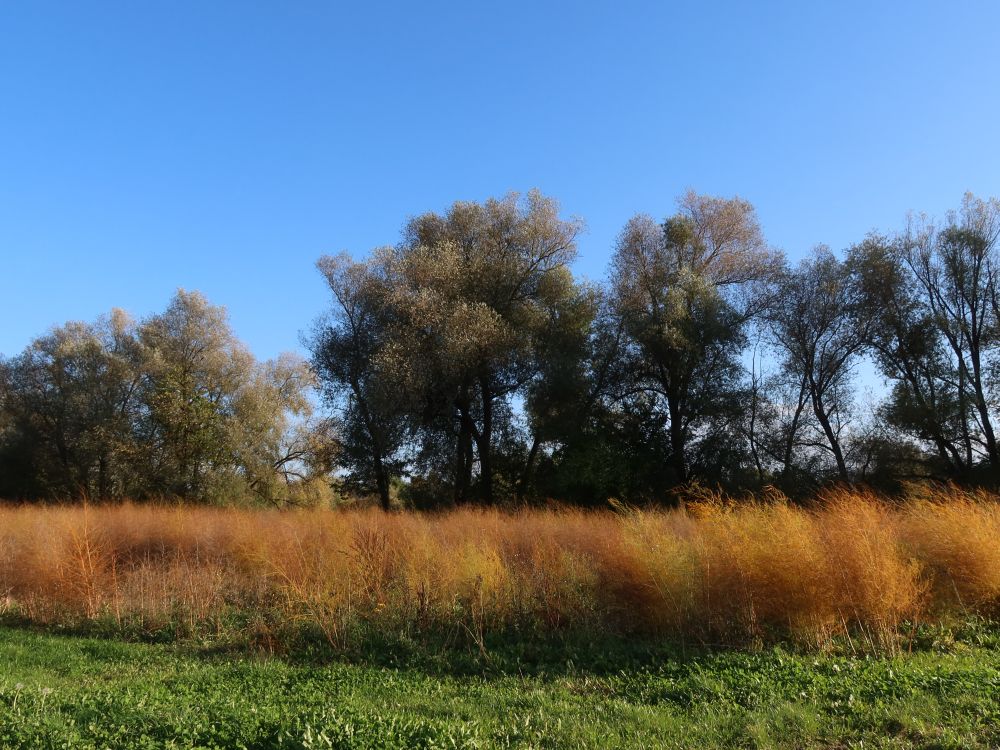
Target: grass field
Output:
[(72, 692), (850, 623)]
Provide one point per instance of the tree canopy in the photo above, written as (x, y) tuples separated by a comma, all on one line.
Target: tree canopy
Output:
[(172, 406), (466, 363)]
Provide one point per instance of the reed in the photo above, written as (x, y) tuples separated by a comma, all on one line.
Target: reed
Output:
[(717, 571)]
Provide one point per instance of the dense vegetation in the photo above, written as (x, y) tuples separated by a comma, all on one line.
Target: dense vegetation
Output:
[(737, 574), (863, 624), (466, 363), (172, 406)]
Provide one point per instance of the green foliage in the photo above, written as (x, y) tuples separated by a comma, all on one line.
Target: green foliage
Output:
[(430, 343), (80, 693), (466, 363), (173, 406), (684, 293)]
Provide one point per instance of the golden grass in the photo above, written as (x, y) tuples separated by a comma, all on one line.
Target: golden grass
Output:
[(716, 572)]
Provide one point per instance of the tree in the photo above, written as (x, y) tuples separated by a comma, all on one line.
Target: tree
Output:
[(194, 368), (277, 452), (924, 401), (220, 425), (477, 292), (559, 401), (685, 291), (815, 328), (956, 269), (172, 406), (355, 357), (69, 401), (430, 343), (604, 440)]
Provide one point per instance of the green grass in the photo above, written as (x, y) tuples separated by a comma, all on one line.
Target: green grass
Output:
[(59, 691)]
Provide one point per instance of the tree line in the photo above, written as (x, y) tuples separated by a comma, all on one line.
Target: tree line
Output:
[(467, 363), (173, 406)]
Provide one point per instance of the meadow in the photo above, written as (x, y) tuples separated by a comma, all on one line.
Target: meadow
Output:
[(849, 568), (850, 622), (85, 693)]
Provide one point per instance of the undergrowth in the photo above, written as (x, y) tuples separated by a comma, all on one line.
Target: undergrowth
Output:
[(851, 572)]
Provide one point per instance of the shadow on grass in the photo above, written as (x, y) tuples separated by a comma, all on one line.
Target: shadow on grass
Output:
[(456, 654)]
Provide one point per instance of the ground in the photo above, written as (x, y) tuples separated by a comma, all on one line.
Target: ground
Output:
[(62, 691)]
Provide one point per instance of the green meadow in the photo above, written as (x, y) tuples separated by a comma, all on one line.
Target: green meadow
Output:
[(64, 691)]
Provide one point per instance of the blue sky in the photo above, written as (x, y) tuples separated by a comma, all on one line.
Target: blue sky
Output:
[(225, 146)]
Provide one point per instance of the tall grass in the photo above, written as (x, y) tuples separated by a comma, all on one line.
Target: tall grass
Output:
[(714, 572)]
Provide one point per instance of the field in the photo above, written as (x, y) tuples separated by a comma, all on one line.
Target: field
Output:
[(849, 623), (713, 573), (72, 692)]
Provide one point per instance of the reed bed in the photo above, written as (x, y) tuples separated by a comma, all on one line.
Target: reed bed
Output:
[(717, 571)]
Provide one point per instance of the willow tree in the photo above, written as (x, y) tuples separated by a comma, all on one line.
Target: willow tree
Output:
[(195, 365), (174, 405), (218, 424), (441, 333), (924, 401), (957, 269), (820, 338), (279, 454), (480, 289), (354, 354), (685, 291), (70, 401)]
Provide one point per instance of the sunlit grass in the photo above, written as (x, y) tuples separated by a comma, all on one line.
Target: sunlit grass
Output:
[(718, 572)]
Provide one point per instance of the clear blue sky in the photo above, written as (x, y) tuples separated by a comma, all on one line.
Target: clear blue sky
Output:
[(225, 146)]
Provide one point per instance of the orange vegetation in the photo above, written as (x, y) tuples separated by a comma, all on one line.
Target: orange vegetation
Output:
[(715, 572)]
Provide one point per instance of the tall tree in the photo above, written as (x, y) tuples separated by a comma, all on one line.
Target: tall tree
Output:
[(432, 341), (478, 291), (815, 328), (685, 290), (358, 362), (559, 402), (69, 401), (195, 366), (172, 406), (956, 268), (924, 401)]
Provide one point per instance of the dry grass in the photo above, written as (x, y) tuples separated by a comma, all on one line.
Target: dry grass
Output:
[(716, 572)]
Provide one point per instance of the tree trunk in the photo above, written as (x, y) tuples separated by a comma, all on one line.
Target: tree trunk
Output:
[(484, 443), (378, 457), (529, 464), (463, 448), (382, 482), (820, 411), (102, 477), (962, 407), (948, 453), (463, 464), (793, 429), (677, 441), (752, 431), (983, 409)]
